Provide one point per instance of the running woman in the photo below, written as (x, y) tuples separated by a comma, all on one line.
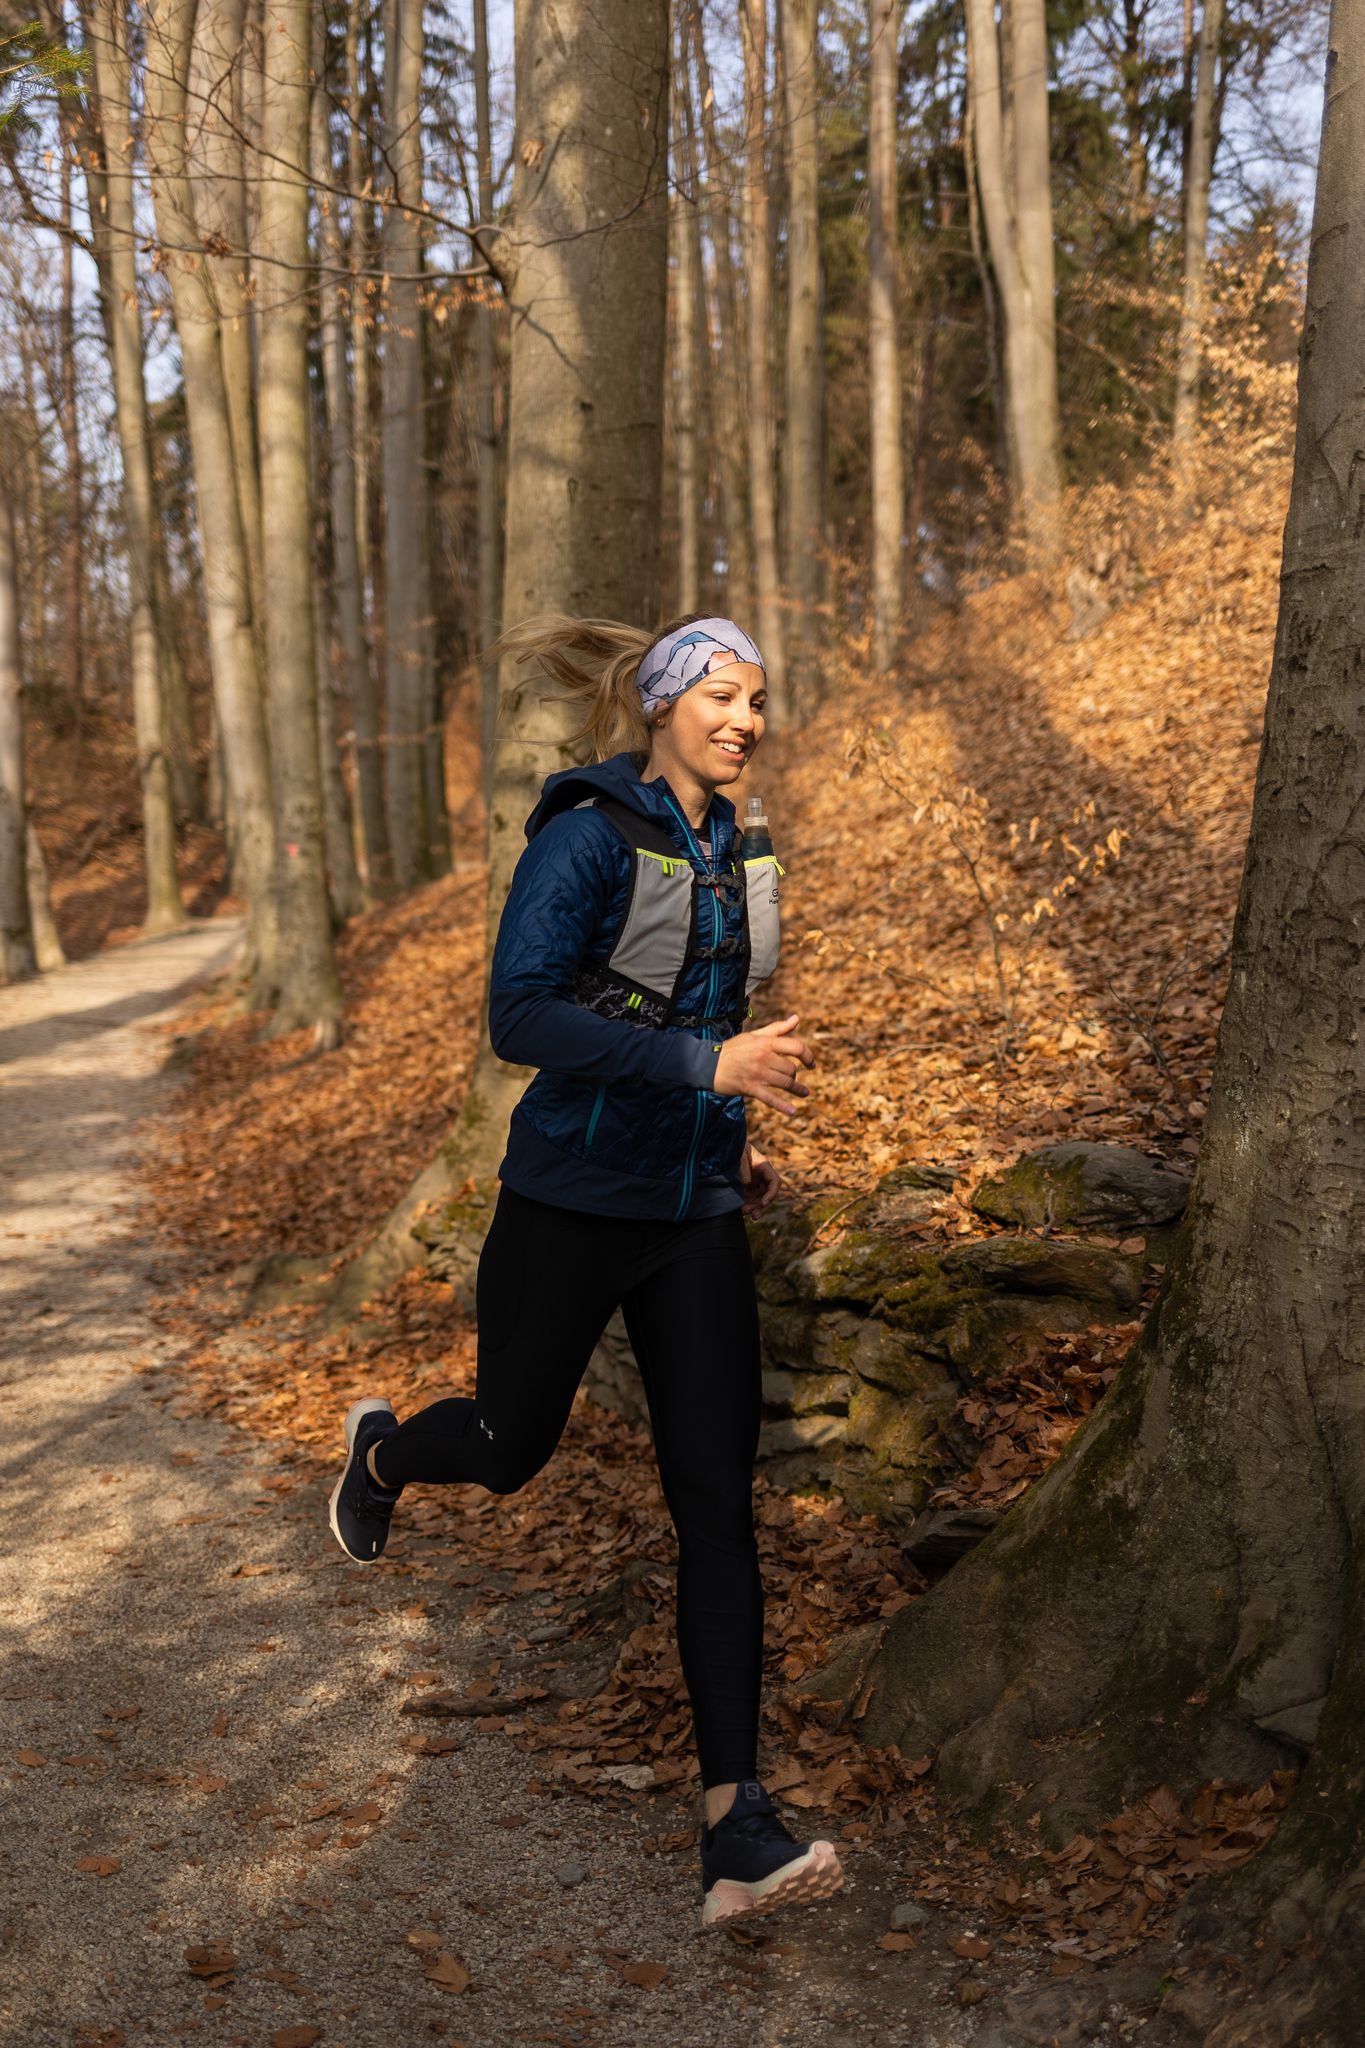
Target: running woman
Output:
[(630, 939)]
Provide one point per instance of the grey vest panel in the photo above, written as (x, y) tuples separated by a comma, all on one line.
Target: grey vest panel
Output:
[(761, 884), (652, 946)]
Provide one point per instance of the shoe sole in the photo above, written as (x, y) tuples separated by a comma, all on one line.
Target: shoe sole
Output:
[(354, 1416), (816, 1875)]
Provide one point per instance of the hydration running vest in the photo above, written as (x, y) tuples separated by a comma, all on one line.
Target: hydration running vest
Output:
[(660, 937)]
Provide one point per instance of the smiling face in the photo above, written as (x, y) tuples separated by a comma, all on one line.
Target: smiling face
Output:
[(706, 735)]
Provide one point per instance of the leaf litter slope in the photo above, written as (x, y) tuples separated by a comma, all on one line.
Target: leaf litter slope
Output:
[(1010, 889)]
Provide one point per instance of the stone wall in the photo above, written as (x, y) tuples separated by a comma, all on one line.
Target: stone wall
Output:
[(871, 1338)]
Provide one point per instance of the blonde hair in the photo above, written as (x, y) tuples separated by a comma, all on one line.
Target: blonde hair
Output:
[(594, 661)]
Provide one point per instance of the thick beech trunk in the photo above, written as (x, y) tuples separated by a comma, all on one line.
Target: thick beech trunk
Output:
[(1198, 179), (728, 350), (114, 235), (407, 574), (309, 992), (1183, 1595), (225, 563), (771, 624), (1009, 119), (47, 944), (17, 951), (803, 449), (884, 352), (485, 417), (686, 380), (348, 604), (585, 438)]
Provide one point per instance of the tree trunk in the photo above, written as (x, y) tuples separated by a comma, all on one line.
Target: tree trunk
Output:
[(485, 418), (884, 353), (223, 77), (114, 234), (1197, 183), (47, 944), (343, 876), (358, 242), (17, 953), (1182, 1594), (347, 607), (585, 441), (177, 711), (309, 993), (686, 379), (1015, 186), (768, 612), (232, 631), (803, 452), (727, 363), (407, 581), (73, 547)]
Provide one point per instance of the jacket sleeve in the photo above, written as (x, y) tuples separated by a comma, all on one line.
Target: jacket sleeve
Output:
[(561, 890)]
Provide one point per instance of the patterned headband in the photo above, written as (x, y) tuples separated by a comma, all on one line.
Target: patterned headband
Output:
[(680, 659)]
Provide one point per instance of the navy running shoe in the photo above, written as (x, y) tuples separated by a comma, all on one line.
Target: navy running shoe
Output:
[(359, 1510), (750, 1864)]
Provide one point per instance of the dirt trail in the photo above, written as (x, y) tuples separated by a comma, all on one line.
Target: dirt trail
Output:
[(200, 1744)]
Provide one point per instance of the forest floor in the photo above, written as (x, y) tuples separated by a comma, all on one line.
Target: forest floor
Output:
[(218, 1825)]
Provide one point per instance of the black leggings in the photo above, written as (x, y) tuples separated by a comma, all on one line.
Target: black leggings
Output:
[(548, 1281)]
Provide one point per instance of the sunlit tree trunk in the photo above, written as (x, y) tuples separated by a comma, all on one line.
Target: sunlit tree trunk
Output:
[(584, 455), (347, 608), (1014, 174), (768, 610), (47, 945), (114, 235), (803, 466), (1192, 308), (225, 565), (884, 354), (1182, 1597), (223, 85), (407, 582), (485, 416), (17, 956), (727, 356), (309, 992), (73, 546), (686, 381)]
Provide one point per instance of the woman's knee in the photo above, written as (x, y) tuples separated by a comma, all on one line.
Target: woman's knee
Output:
[(508, 1471)]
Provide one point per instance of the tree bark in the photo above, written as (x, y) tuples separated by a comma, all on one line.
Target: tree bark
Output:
[(768, 611), (1015, 184), (803, 452), (344, 890), (17, 953), (686, 379), (223, 78), (47, 945), (728, 351), (232, 629), (73, 547), (114, 237), (1182, 1595), (485, 417), (407, 582), (884, 353), (588, 235), (309, 992), (1192, 306), (347, 606)]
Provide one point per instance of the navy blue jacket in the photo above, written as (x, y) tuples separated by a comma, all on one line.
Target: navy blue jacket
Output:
[(622, 1119)]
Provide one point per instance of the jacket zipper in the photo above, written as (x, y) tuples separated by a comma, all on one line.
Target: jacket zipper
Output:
[(596, 1112), (700, 1115)]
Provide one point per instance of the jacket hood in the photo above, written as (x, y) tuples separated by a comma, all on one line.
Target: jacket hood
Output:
[(617, 777)]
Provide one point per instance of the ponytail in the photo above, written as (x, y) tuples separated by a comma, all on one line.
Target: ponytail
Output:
[(594, 661)]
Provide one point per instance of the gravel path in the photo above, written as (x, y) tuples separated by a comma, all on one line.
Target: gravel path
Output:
[(213, 1828)]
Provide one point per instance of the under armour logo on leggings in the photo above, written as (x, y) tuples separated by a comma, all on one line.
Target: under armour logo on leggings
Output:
[(486, 1430)]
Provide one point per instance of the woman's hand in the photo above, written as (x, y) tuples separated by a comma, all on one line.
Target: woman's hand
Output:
[(759, 1176), (763, 1062)]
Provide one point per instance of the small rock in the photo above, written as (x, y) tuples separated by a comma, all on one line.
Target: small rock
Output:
[(907, 1916), (569, 1873)]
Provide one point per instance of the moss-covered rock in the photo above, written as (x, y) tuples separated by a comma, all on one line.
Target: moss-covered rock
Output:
[(1083, 1186)]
